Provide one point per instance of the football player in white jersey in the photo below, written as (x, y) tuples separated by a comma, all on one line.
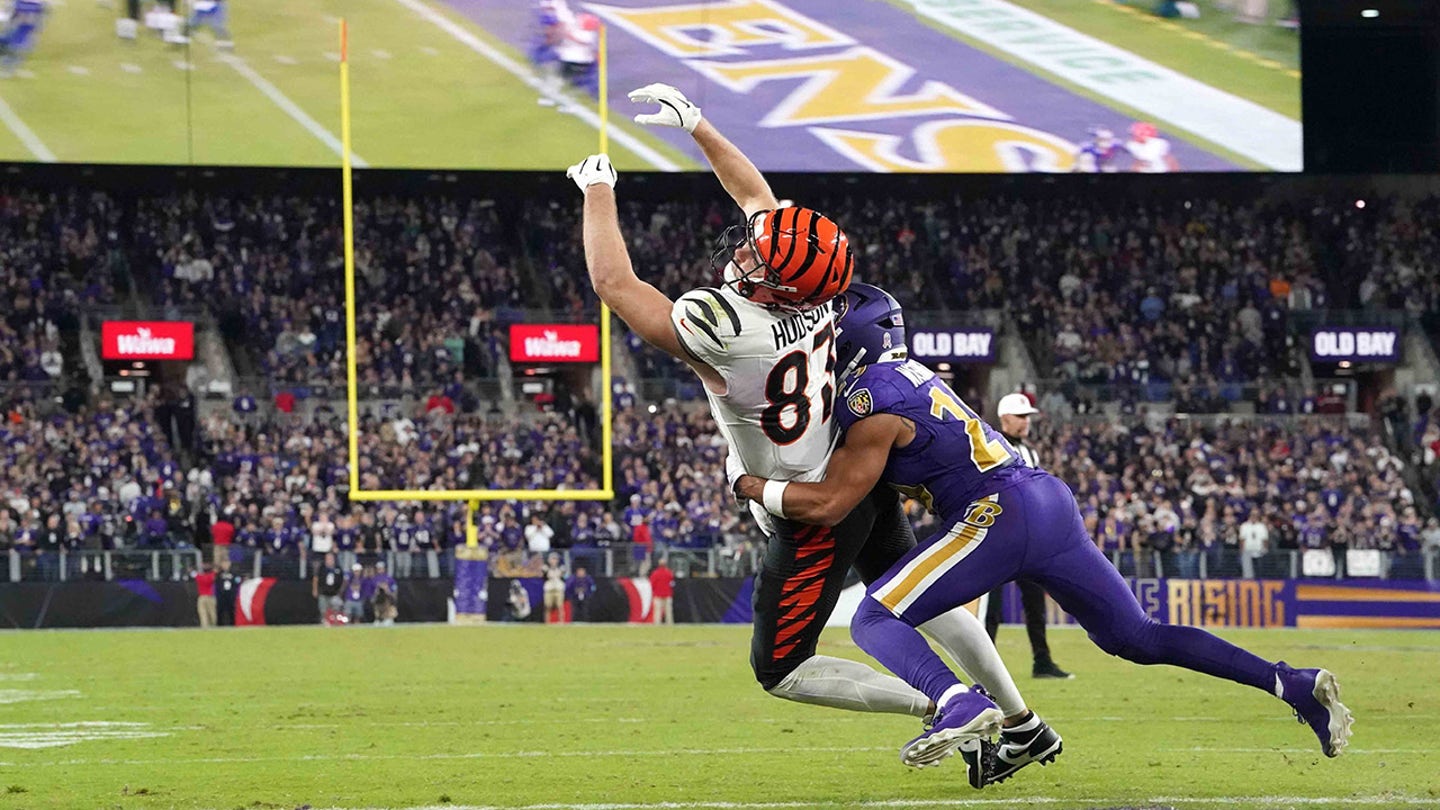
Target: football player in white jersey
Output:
[(763, 344)]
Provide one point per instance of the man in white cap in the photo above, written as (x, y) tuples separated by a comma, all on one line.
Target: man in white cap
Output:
[(1015, 412)]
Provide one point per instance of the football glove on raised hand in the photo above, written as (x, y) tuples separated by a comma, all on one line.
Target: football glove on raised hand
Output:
[(675, 109), (592, 170)]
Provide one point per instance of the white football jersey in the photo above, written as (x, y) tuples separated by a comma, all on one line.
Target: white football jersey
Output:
[(1150, 154), (779, 371)]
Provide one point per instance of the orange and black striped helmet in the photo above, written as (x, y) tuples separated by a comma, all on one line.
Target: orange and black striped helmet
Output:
[(803, 259)]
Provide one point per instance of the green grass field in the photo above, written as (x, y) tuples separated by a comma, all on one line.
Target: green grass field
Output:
[(1256, 62), (421, 97), (644, 717)]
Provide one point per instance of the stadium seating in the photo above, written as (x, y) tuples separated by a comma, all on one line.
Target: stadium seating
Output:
[(1109, 292), (431, 276), (1079, 275)]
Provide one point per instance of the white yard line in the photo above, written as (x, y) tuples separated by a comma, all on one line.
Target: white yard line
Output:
[(26, 135), (589, 116), (291, 108), (672, 752), (1240, 125)]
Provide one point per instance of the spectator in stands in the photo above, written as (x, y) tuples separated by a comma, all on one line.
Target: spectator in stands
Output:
[(322, 535), (538, 534), (1254, 542), (222, 533)]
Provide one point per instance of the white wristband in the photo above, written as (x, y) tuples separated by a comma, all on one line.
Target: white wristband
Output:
[(773, 497)]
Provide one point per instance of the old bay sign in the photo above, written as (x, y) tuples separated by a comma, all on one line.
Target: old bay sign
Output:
[(838, 80)]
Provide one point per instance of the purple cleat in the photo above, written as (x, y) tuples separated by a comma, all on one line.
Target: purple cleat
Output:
[(966, 716), (1315, 696)]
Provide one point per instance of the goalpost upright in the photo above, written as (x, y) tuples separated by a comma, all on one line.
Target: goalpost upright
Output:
[(472, 497)]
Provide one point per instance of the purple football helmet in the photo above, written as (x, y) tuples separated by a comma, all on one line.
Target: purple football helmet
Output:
[(869, 328)]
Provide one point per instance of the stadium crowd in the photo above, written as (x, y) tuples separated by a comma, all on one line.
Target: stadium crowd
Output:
[(1187, 488), (1136, 293), (58, 253), (1123, 292), (107, 478), (431, 277)]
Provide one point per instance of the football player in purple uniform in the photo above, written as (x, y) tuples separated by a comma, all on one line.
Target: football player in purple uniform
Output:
[(1002, 520)]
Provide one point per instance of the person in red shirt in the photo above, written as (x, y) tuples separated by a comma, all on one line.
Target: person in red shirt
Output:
[(439, 402), (222, 532), (205, 601), (662, 593)]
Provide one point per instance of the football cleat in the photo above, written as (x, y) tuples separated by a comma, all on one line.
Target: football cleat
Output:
[(987, 763), (1050, 671), (1314, 694), (967, 716)]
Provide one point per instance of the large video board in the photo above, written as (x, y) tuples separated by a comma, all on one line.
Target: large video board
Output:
[(799, 85)]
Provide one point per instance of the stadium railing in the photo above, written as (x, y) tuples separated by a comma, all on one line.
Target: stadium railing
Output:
[(74, 566), (629, 559)]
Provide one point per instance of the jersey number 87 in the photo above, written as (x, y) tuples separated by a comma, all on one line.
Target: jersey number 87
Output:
[(785, 391)]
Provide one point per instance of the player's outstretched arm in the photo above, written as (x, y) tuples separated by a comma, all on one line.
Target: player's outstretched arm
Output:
[(745, 184), (854, 470), (643, 308)]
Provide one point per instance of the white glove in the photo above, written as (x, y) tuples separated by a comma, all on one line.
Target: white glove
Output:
[(733, 471), (675, 109), (592, 170)]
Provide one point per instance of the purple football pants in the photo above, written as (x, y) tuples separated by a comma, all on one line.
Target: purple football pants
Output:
[(1030, 529)]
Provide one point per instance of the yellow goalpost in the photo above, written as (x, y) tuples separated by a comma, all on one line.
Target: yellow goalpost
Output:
[(472, 496)]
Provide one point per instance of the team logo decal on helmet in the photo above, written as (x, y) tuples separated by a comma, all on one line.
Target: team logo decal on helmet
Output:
[(802, 259), (869, 328)]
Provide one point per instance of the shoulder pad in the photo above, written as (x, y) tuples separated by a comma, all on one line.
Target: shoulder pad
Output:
[(874, 391), (705, 322)]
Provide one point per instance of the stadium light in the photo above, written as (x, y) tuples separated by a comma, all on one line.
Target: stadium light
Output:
[(1370, 13)]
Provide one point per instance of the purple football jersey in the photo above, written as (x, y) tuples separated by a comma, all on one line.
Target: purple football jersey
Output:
[(954, 455)]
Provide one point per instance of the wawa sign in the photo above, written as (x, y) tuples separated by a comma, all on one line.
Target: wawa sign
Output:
[(147, 340), (554, 343)]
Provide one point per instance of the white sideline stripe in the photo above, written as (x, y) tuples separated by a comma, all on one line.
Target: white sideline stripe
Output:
[(466, 723), (27, 136), (1348, 751), (517, 70), (674, 752), (291, 108), (1279, 801), (1255, 131)]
